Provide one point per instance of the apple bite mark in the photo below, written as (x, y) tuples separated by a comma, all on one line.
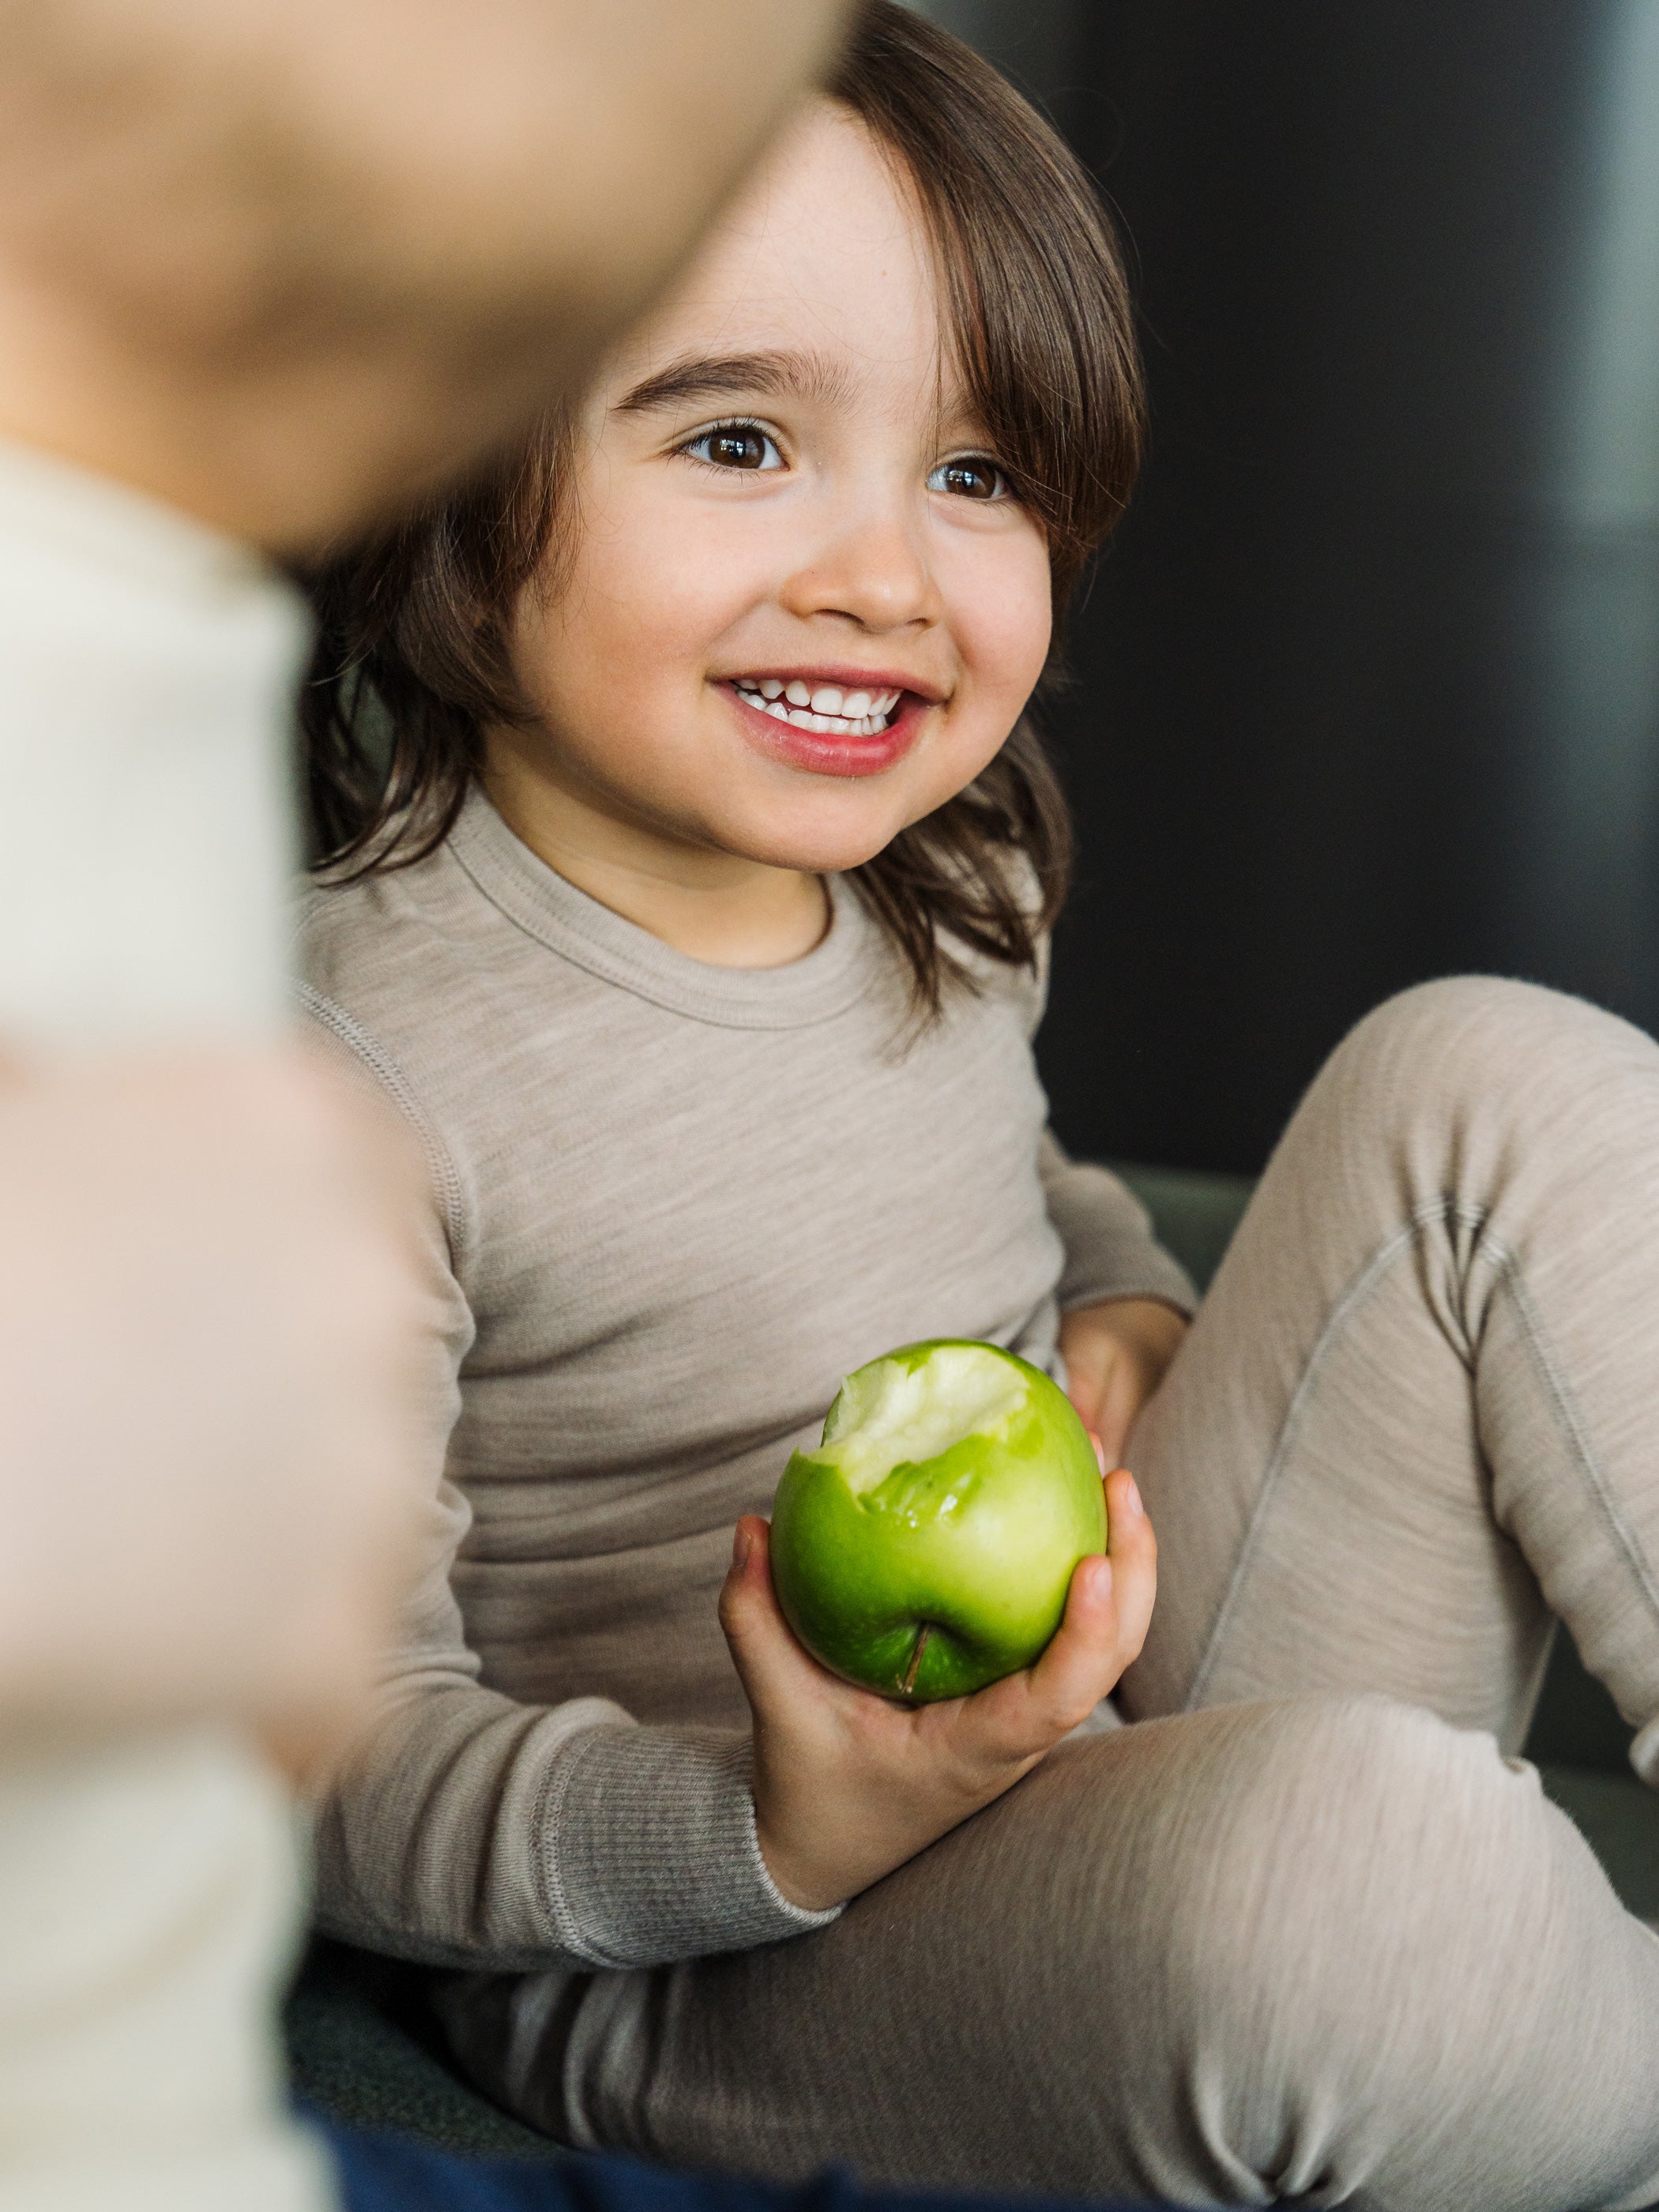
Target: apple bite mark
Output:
[(902, 1411), (926, 1548)]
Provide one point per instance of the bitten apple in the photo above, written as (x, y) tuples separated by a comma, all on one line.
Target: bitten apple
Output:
[(924, 1548)]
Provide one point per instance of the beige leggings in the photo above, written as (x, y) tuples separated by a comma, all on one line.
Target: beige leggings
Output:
[(1304, 1932)]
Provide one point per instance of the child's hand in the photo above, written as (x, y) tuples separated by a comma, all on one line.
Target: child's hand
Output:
[(848, 1785), (1116, 1356)]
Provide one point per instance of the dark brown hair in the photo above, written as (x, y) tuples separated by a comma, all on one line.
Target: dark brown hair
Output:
[(413, 663)]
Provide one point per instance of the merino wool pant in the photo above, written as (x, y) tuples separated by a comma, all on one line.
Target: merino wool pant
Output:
[(1307, 1930)]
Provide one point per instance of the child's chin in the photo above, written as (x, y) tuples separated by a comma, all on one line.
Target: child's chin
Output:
[(824, 856), (814, 839)]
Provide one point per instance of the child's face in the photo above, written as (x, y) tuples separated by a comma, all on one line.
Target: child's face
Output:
[(776, 491)]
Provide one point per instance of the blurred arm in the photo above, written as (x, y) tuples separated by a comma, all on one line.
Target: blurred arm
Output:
[(206, 1308)]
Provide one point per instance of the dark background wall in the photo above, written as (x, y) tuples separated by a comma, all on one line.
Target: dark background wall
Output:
[(1367, 689)]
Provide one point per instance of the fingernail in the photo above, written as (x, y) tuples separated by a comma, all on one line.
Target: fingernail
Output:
[(1100, 1450), (742, 1543), (1132, 1500), (1104, 1573)]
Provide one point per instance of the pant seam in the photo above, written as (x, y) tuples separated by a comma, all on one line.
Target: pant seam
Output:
[(1569, 1420), (1572, 1425), (1359, 1288)]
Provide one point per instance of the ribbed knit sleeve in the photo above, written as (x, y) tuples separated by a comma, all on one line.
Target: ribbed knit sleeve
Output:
[(476, 1832), (471, 1829), (1110, 1249), (651, 1853)]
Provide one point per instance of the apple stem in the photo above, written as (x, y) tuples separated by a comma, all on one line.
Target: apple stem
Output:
[(915, 1666)]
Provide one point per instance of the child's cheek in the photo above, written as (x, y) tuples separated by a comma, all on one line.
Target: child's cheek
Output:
[(1005, 629), (683, 586)]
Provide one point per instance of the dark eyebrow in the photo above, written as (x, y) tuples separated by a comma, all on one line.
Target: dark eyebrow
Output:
[(779, 376)]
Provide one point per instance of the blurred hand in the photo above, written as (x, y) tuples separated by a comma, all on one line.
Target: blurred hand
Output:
[(848, 1784), (285, 264), (1115, 1357), (208, 1317)]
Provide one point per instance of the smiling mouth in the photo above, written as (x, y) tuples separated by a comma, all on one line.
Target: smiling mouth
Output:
[(827, 708)]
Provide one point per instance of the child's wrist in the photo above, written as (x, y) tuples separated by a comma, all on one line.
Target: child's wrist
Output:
[(807, 1887)]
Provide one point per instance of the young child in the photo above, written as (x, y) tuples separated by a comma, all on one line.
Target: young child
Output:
[(690, 865)]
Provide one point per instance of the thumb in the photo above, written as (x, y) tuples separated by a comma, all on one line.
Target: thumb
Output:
[(775, 1670), (746, 1601)]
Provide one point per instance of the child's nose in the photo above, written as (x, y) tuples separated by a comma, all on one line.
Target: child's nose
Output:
[(873, 572)]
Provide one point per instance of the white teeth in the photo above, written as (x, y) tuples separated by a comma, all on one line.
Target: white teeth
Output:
[(853, 715), (844, 725), (827, 699)]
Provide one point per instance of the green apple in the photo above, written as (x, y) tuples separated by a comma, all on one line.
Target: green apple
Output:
[(925, 1546)]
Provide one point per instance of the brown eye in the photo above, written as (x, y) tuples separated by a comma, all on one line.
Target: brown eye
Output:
[(735, 446), (971, 478)]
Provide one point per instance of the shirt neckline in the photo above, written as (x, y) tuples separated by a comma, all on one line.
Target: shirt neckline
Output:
[(540, 902)]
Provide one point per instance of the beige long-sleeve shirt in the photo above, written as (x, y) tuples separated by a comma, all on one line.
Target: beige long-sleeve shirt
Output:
[(674, 1205)]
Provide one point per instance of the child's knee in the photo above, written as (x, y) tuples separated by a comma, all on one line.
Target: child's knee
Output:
[(1475, 1043), (1263, 1936), (1362, 1953), (1342, 1909), (1341, 1894)]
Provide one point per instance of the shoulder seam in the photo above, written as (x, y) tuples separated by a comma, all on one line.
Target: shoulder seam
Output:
[(445, 1181)]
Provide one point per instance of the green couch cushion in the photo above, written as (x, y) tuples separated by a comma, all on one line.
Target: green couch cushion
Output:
[(362, 2048)]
